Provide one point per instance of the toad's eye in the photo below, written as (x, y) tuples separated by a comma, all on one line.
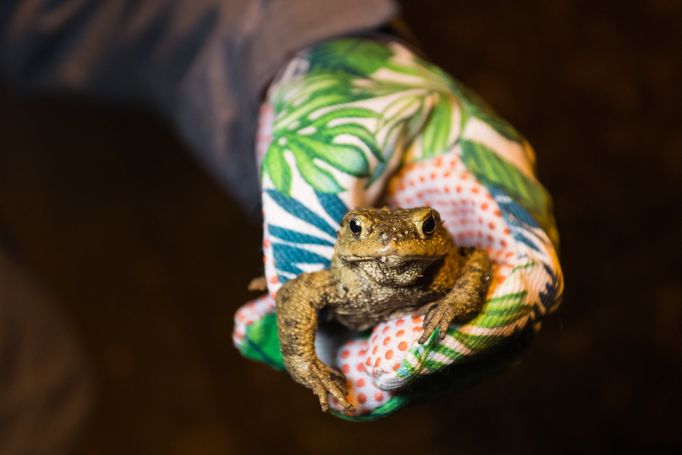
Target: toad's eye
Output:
[(354, 226), (429, 225)]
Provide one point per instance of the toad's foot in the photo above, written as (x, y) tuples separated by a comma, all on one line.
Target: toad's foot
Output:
[(458, 307), (258, 284), (439, 315), (464, 300), (323, 380)]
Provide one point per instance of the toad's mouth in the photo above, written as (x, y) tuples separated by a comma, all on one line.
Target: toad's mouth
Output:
[(394, 270), (392, 259)]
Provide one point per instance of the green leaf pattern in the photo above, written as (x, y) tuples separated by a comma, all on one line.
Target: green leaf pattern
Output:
[(355, 103)]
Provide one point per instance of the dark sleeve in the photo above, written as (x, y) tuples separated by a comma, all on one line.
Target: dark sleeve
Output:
[(202, 63)]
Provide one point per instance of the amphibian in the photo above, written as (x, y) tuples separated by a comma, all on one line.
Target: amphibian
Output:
[(386, 261)]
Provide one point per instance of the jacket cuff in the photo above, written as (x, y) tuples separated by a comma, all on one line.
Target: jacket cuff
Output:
[(286, 27)]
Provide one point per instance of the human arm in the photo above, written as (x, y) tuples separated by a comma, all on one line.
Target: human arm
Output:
[(203, 64)]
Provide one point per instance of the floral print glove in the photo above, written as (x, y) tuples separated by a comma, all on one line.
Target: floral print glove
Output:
[(361, 122)]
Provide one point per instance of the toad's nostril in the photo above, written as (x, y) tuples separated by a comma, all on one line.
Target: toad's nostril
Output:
[(384, 237)]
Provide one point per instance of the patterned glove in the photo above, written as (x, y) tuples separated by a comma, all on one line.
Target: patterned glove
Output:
[(359, 122)]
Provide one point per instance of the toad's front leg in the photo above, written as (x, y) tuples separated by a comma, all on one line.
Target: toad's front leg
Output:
[(464, 300), (298, 302)]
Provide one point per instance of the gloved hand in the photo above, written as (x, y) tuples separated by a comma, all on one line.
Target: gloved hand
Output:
[(360, 122)]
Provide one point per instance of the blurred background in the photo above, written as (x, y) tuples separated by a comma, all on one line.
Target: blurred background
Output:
[(148, 258)]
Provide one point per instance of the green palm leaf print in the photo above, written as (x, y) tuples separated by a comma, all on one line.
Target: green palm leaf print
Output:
[(358, 57), (313, 116)]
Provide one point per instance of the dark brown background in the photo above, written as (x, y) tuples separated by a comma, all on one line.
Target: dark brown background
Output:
[(148, 258)]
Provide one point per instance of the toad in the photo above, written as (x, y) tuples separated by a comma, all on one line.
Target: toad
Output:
[(386, 262)]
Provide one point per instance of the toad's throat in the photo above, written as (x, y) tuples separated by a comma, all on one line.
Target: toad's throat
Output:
[(393, 270)]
